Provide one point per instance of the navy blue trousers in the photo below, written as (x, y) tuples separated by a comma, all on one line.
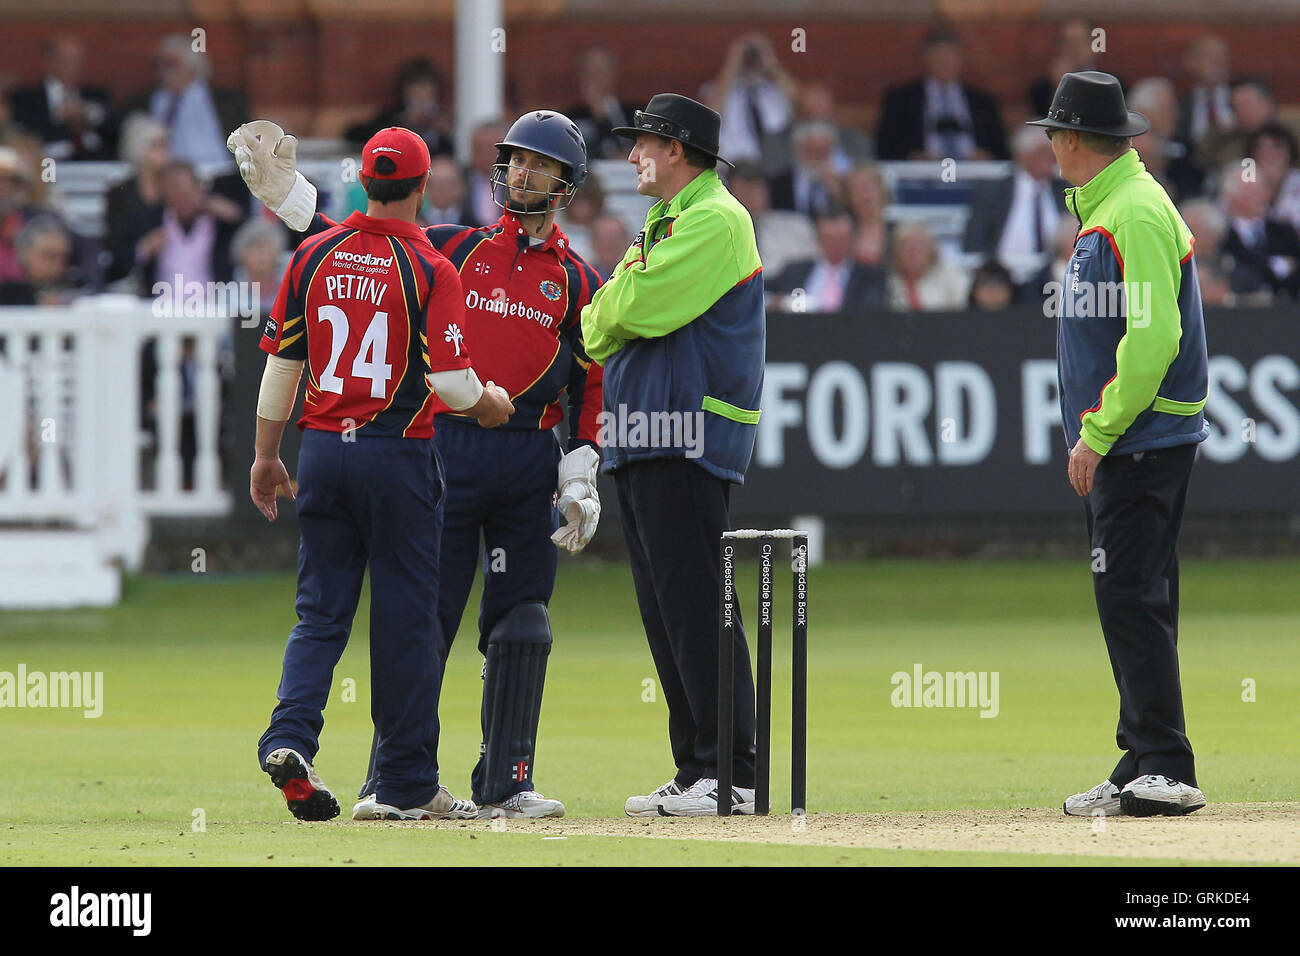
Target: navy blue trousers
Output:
[(500, 503), (1134, 514), (673, 514), (373, 502)]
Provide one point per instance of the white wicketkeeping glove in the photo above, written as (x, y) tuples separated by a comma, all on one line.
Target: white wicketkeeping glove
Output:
[(578, 501), (267, 161)]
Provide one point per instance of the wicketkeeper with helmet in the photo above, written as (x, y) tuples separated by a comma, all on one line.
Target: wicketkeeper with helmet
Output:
[(524, 291)]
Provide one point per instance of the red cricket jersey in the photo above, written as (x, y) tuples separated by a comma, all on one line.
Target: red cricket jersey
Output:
[(372, 307), (523, 304)]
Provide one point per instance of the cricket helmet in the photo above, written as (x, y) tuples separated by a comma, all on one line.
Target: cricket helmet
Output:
[(553, 135)]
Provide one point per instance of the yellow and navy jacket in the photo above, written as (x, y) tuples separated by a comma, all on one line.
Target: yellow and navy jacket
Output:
[(681, 330), (1130, 334)]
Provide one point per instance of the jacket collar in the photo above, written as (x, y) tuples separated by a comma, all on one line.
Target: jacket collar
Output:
[(1086, 198), (705, 182), (556, 242), (386, 227)]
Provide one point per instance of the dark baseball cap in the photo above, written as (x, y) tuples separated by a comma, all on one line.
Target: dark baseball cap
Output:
[(406, 149)]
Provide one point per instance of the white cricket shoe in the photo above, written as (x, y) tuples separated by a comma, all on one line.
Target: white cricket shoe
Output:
[(1156, 795), (700, 799), (528, 804), (1101, 801), (307, 797), (443, 806), (648, 805)]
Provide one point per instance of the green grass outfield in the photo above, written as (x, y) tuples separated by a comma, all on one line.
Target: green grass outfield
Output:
[(191, 663)]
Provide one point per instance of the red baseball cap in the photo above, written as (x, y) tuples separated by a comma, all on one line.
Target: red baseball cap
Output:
[(403, 147)]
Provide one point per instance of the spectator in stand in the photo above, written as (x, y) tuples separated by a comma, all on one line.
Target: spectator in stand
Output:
[(782, 234), (1253, 108), (832, 282), (74, 121), (812, 183), (600, 110), (609, 242), (919, 280), (193, 241), (1215, 288), (1013, 218), (1074, 54), (16, 210), (755, 96), (1266, 254), (583, 208), (1156, 99), (416, 105), (257, 249), (1209, 226), (134, 207), (197, 116), (852, 145), (992, 289), (867, 197), (1273, 147), (483, 155), (446, 198), (44, 254), (1036, 289), (937, 116), (1207, 107)]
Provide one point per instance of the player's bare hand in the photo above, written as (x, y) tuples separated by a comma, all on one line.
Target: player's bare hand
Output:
[(266, 479), (493, 407), (1082, 467)]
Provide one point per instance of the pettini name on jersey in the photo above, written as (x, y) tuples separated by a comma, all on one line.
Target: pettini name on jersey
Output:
[(363, 288), (501, 305)]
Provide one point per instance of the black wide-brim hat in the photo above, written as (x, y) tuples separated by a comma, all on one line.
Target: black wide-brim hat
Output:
[(1092, 102), (678, 117)]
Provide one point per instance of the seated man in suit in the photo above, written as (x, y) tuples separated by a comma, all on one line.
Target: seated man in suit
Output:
[(830, 282), (1014, 218), (937, 116), (195, 113), (72, 120), (1265, 253)]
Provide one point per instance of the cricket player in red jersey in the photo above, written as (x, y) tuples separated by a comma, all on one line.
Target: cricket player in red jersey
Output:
[(370, 307), (524, 288)]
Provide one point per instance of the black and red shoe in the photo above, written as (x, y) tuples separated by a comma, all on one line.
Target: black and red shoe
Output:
[(307, 797)]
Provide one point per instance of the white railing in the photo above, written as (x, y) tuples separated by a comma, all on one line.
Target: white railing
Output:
[(73, 454)]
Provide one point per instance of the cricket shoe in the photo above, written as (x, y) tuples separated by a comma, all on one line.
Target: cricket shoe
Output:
[(1156, 795), (1101, 801), (700, 799), (307, 797), (528, 804), (443, 806), (648, 805)]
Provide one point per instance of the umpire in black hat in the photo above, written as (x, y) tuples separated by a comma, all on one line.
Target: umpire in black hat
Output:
[(680, 329), (1133, 384)]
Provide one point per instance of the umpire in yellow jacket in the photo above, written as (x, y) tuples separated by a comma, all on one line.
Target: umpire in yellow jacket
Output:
[(680, 330), (1133, 380)]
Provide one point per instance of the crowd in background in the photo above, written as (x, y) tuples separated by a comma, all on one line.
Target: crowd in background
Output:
[(828, 227)]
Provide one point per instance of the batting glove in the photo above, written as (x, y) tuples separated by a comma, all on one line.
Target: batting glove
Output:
[(267, 161), (578, 501)]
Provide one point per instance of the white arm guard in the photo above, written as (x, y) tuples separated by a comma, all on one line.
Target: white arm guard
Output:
[(279, 388), (299, 205), (458, 387)]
